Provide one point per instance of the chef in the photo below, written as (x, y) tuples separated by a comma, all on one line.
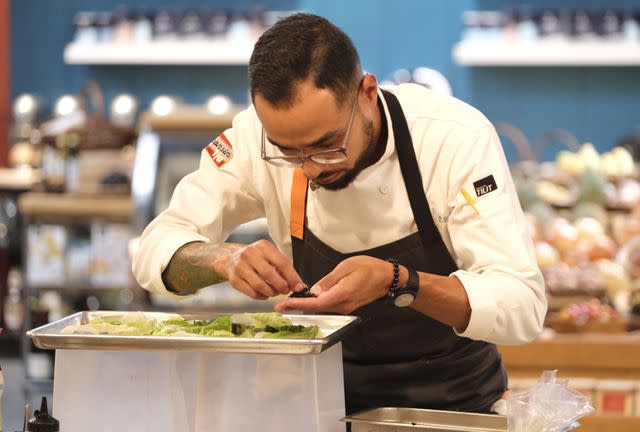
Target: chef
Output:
[(393, 204)]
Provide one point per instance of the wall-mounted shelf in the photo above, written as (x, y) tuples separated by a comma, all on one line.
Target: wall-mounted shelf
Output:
[(76, 206), (598, 355), (18, 179), (547, 53), (188, 118), (161, 53)]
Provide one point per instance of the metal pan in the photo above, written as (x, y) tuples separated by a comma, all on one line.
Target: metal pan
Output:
[(49, 337), (401, 419)]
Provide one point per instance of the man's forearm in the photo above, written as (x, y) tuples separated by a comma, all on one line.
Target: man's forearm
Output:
[(443, 299), (197, 265)]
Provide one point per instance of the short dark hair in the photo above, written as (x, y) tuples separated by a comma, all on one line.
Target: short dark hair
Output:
[(299, 47)]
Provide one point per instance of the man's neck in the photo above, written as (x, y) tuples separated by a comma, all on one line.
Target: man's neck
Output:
[(380, 134)]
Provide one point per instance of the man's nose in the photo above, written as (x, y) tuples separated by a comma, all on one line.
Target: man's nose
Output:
[(311, 169)]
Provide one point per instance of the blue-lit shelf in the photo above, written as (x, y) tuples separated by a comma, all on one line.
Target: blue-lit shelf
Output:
[(161, 53), (546, 53)]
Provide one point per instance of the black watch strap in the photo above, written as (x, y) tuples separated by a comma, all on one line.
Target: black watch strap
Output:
[(411, 287), (413, 283), (405, 295)]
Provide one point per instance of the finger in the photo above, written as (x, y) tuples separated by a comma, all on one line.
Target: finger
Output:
[(332, 279), (283, 265), (310, 304), (269, 274), (255, 281), (242, 286), (316, 290)]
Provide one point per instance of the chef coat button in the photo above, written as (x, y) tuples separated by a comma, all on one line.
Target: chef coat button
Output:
[(384, 189)]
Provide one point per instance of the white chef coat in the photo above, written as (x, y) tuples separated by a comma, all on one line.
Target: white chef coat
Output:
[(456, 146)]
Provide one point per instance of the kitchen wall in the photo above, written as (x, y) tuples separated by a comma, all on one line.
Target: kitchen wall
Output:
[(596, 104)]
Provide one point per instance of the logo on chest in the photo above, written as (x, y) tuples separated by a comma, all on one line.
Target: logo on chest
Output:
[(485, 186)]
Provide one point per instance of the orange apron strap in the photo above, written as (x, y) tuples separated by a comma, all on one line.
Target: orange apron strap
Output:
[(298, 203)]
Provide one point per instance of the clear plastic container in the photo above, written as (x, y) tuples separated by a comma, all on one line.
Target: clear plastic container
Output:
[(171, 391)]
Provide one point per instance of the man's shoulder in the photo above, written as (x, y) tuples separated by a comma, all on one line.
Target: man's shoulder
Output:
[(422, 104), (244, 133), (246, 120)]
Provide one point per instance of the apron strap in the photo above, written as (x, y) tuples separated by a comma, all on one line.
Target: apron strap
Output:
[(411, 172), (298, 203)]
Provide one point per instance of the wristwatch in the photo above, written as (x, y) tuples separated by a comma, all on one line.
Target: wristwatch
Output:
[(404, 296)]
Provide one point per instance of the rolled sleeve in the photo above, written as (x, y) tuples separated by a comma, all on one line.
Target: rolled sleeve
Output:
[(492, 247), (484, 307)]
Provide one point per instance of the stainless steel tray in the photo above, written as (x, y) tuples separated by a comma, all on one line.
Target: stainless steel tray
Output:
[(49, 336), (400, 419)]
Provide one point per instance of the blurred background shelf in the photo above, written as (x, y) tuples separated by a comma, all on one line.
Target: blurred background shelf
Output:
[(550, 53), (69, 205), (188, 119), (611, 356), (609, 423), (160, 53), (18, 179), (78, 288)]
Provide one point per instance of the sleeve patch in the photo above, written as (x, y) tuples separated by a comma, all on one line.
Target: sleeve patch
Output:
[(220, 150), (484, 186)]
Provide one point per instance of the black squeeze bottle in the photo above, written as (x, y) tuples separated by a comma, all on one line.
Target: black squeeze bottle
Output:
[(42, 421)]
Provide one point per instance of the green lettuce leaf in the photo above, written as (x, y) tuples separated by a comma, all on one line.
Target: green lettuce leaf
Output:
[(272, 319), (271, 325)]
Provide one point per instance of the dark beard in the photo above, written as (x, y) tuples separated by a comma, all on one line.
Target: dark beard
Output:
[(365, 160)]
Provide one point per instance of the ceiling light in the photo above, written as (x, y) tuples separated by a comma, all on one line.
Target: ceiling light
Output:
[(163, 105), (66, 105), (219, 105)]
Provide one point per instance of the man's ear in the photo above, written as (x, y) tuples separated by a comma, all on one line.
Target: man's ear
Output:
[(370, 88)]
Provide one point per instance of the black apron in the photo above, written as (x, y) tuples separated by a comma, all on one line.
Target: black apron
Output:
[(397, 356)]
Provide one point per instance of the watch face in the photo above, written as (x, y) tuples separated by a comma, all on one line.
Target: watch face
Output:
[(404, 300)]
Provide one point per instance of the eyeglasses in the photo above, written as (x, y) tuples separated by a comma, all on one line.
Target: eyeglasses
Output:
[(324, 157)]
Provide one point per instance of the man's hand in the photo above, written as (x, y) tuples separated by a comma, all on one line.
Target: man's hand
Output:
[(259, 271), (354, 282)]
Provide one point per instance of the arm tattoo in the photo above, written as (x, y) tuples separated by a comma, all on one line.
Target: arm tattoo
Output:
[(192, 266)]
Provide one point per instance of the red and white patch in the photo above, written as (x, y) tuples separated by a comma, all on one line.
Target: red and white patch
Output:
[(220, 150)]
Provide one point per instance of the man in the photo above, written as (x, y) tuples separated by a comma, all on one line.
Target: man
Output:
[(394, 204)]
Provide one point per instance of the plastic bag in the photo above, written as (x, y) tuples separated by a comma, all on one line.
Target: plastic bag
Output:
[(549, 406)]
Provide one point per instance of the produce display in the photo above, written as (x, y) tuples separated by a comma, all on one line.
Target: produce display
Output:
[(589, 311), (582, 177), (616, 163), (583, 213), (590, 315), (255, 325)]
